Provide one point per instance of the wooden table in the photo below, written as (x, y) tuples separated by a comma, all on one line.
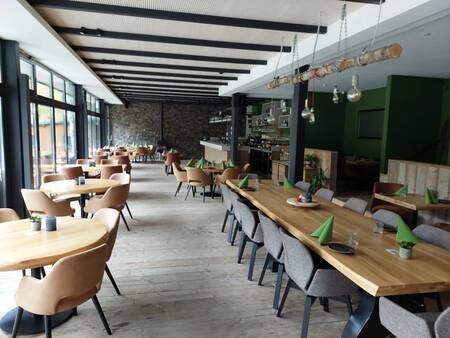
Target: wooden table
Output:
[(94, 169), (21, 248), (412, 202), (212, 171), (373, 269), (69, 187)]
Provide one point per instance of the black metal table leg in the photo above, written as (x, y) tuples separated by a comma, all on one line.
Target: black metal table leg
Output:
[(365, 321), (31, 323), (82, 205)]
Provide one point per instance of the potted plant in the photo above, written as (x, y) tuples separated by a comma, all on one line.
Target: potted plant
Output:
[(318, 181), (405, 250), (35, 223), (310, 160)]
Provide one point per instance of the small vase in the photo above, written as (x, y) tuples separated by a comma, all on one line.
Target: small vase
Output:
[(50, 223), (35, 226), (405, 253)]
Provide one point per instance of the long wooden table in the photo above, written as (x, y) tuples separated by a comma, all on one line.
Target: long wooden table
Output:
[(372, 268)]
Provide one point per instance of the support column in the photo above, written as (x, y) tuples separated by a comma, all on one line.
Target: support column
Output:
[(103, 122), (161, 127), (237, 109), (81, 123), (298, 124)]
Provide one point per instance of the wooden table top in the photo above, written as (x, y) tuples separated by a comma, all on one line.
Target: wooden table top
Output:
[(97, 168), (68, 187), (372, 268), (412, 202), (21, 248), (213, 170)]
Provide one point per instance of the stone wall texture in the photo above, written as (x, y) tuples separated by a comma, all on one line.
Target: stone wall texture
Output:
[(183, 125)]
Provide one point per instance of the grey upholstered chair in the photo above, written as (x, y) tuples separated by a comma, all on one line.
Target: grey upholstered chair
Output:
[(387, 217), (229, 215), (274, 247), (251, 231), (314, 281), (325, 194), (356, 204), (234, 225), (302, 185), (404, 324), (433, 235)]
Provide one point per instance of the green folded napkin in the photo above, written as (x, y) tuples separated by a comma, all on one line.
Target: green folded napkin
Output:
[(243, 184), (190, 164), (287, 185), (430, 198), (201, 163), (223, 165), (404, 233), (403, 191), (325, 231), (231, 164), (173, 151)]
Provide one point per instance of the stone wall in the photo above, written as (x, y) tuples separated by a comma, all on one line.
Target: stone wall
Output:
[(183, 125)]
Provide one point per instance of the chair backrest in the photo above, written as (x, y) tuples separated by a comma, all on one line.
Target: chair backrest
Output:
[(387, 217), (248, 222), (384, 187), (172, 157), (302, 185), (115, 197), (7, 215), (197, 175), (109, 161), (107, 171), (179, 173), (230, 174), (325, 194), (72, 172), (121, 159), (74, 279), (356, 204), (234, 198), (52, 177), (110, 219), (271, 234), (298, 261), (226, 197), (442, 324), (98, 158), (83, 161), (122, 178), (250, 176), (39, 203), (121, 153), (402, 323), (433, 235), (246, 168)]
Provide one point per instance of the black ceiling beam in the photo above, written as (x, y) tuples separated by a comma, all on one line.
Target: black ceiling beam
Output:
[(178, 16), (166, 66), (177, 101), (158, 79), (143, 90), (183, 75), (176, 56), (373, 2), (170, 40), (159, 85), (166, 94), (159, 91), (167, 97)]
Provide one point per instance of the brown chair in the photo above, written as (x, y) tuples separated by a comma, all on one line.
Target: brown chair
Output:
[(123, 159), (107, 170), (110, 219), (87, 161), (388, 188), (109, 161), (83, 161), (121, 153), (114, 197), (71, 282), (180, 175), (171, 158), (123, 178), (152, 151), (228, 174), (141, 153), (72, 172), (7, 215), (246, 168), (98, 158), (197, 178), (39, 203), (59, 177)]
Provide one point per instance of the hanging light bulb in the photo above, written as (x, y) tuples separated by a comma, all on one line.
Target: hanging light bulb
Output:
[(354, 94), (271, 116), (308, 113), (336, 95)]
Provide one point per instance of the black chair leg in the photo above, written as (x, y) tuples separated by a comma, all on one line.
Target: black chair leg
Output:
[(235, 231), (225, 220), (204, 193), (348, 301), (251, 266), (244, 240), (187, 193), (283, 299), (276, 296), (263, 271), (309, 301), (17, 322), (124, 220), (48, 326), (230, 229), (178, 188), (24, 273), (128, 209), (111, 278), (325, 304), (101, 314), (43, 272)]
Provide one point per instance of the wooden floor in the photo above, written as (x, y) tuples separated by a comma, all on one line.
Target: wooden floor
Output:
[(180, 279)]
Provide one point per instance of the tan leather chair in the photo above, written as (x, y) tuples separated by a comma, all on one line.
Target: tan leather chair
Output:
[(123, 178), (71, 282), (110, 219), (246, 168), (107, 171), (197, 178), (83, 161), (152, 151), (180, 175), (123, 159), (59, 177), (114, 197), (228, 174), (7, 215), (71, 173), (171, 158), (109, 161), (39, 203), (98, 158), (121, 153)]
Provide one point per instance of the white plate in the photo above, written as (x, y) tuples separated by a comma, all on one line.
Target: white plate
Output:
[(293, 201)]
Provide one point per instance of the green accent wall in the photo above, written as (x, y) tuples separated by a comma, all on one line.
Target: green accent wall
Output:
[(446, 112)]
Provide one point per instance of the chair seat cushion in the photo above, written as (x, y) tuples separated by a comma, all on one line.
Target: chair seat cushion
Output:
[(403, 212)]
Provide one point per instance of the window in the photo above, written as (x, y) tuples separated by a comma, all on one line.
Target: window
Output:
[(35, 146), (27, 69), (43, 82), (93, 133), (58, 89), (46, 143), (60, 138), (71, 137), (70, 93)]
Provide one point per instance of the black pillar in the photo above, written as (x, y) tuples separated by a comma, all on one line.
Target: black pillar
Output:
[(16, 128), (161, 126), (81, 123), (297, 139), (237, 109), (103, 122)]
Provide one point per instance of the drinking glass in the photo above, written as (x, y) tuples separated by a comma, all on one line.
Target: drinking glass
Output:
[(276, 183), (258, 184), (378, 228), (353, 240)]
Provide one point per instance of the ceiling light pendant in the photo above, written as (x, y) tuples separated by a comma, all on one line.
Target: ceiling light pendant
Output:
[(308, 113), (336, 98), (354, 94)]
